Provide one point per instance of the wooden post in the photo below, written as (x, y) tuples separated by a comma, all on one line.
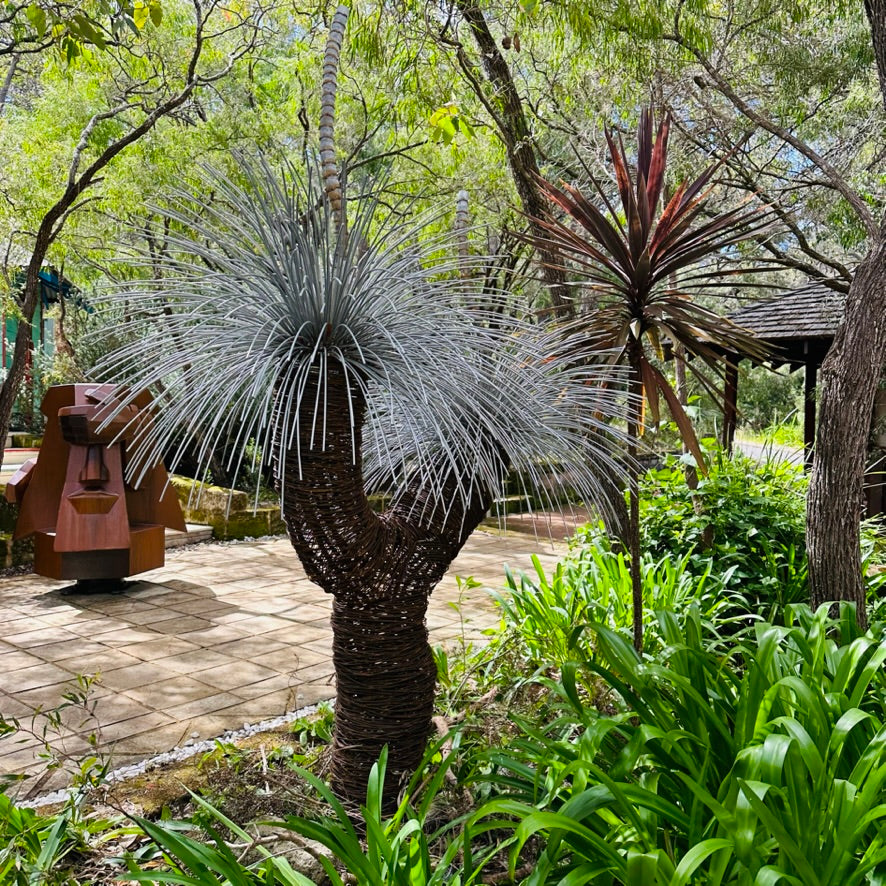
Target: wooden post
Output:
[(809, 382), (730, 403)]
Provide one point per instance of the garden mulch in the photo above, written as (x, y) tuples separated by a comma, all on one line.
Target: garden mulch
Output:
[(222, 635)]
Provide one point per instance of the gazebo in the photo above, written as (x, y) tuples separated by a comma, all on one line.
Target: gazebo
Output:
[(799, 326)]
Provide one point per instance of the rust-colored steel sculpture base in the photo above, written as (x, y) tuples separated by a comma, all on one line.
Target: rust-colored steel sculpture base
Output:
[(88, 523)]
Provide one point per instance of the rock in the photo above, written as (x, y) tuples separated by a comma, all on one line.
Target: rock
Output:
[(294, 848)]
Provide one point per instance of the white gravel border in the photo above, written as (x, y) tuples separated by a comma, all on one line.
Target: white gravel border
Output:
[(181, 753)]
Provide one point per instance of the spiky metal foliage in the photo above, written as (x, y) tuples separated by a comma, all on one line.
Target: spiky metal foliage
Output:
[(259, 296), (642, 270), (357, 369)]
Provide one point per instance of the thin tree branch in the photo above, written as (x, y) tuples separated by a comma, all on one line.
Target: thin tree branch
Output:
[(725, 88)]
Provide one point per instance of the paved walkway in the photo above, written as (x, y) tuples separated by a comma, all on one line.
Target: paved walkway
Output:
[(769, 451), (221, 636)]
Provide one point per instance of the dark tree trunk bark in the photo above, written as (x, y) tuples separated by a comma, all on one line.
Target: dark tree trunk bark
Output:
[(876, 10), (30, 294), (381, 570), (518, 140), (849, 378)]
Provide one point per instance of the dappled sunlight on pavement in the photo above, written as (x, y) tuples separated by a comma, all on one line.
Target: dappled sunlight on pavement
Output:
[(222, 635)]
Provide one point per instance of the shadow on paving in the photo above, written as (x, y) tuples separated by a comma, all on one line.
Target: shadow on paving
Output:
[(221, 636)]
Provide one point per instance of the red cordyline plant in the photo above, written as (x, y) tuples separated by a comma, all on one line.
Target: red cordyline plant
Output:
[(641, 270)]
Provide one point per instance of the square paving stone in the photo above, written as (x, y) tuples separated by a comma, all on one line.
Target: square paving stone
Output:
[(57, 651), (215, 634), (199, 660), (314, 672), (263, 707), (153, 742), (192, 711), (178, 690), (249, 647), (41, 675), (108, 659), (160, 648), (266, 686), (291, 658), (140, 674), (39, 637), (235, 676), (322, 646), (119, 707), (181, 625), (315, 692), (93, 628), (136, 725), (10, 662), (261, 624), (301, 635)]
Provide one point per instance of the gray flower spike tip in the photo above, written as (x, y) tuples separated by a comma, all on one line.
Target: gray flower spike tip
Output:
[(327, 113), (262, 299)]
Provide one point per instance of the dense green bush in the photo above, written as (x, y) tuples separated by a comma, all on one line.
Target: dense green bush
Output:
[(745, 522), (592, 585)]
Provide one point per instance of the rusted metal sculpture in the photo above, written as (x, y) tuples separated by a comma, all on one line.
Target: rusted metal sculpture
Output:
[(88, 523)]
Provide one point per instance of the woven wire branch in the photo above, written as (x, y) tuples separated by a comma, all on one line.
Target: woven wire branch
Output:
[(259, 298)]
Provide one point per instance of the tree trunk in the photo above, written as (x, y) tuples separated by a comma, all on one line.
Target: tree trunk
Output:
[(385, 680), (7, 82), (381, 570), (517, 137), (849, 378), (331, 180), (876, 11), (635, 408), (690, 472), (30, 294)]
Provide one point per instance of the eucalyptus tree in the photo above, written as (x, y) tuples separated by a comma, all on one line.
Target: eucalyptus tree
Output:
[(830, 162), (132, 85), (359, 368)]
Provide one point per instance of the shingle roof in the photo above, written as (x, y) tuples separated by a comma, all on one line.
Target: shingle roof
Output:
[(812, 311)]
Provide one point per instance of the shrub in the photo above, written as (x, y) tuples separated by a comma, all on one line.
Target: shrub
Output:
[(767, 398), (593, 585), (750, 526)]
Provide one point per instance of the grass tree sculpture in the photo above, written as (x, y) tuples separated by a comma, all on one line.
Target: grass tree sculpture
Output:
[(359, 368), (643, 270)]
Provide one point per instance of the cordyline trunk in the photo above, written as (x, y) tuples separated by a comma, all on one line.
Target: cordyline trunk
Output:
[(849, 378), (635, 412), (380, 569)]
